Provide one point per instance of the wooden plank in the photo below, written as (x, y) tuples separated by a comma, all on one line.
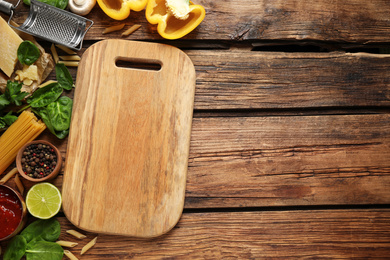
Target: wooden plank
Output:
[(280, 80), (254, 235), (324, 20), (238, 79), (296, 160), (287, 161)]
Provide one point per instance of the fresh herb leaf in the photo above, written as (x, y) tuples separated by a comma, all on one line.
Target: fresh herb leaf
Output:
[(44, 250), (62, 4), (13, 93), (44, 96), (63, 76), (4, 101), (16, 248), (60, 113), (48, 230), (8, 119), (28, 53), (44, 114)]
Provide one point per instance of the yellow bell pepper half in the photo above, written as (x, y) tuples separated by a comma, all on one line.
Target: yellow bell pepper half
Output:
[(170, 27), (120, 9)]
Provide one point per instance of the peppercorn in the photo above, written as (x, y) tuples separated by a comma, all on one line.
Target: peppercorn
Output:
[(38, 160)]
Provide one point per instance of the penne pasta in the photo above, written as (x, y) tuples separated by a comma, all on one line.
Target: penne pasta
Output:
[(131, 30), (54, 53), (113, 28), (70, 57), (47, 83), (70, 63), (19, 184), (8, 175), (66, 49), (76, 234), (70, 255), (66, 243), (88, 246)]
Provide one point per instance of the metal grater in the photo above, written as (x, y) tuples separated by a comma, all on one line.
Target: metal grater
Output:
[(51, 23)]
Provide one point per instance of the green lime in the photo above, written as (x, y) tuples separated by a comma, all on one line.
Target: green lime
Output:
[(43, 200)]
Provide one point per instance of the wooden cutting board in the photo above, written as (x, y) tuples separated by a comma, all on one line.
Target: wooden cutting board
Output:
[(127, 155)]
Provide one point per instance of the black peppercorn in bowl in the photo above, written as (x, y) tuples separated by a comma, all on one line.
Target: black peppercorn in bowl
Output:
[(39, 161)]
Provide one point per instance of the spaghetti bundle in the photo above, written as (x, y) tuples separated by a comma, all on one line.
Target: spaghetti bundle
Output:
[(25, 129)]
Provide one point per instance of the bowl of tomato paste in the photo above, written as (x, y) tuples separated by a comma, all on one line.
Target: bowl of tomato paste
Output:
[(13, 212)]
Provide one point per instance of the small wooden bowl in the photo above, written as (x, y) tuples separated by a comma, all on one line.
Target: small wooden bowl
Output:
[(23, 218), (52, 175)]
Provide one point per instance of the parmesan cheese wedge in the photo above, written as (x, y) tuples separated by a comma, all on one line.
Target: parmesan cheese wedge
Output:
[(9, 44)]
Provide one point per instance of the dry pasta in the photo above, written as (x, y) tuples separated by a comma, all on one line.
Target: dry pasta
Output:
[(47, 83), (66, 243), (131, 30), (54, 52), (70, 63), (8, 175), (88, 246), (19, 184), (76, 234), (70, 255), (25, 129), (113, 28), (70, 57), (66, 49)]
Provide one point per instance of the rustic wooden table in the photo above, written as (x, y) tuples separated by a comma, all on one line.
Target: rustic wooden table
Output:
[(290, 145)]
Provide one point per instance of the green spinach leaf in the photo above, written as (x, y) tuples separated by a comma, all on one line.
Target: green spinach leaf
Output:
[(44, 96), (28, 53), (16, 248), (13, 93), (48, 230), (44, 114), (63, 76), (62, 4), (60, 113), (44, 250)]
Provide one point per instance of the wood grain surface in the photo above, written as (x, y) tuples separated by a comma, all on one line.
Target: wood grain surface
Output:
[(353, 21), (127, 155), (287, 161), (324, 234), (289, 152)]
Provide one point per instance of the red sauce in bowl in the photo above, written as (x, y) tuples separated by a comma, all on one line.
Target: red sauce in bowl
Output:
[(10, 212)]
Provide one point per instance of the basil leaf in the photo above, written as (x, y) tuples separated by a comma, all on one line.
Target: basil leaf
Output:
[(44, 250), (13, 93), (44, 96), (16, 248), (28, 53), (48, 230), (60, 113), (63, 76)]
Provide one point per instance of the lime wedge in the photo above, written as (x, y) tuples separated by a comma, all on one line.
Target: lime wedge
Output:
[(43, 200)]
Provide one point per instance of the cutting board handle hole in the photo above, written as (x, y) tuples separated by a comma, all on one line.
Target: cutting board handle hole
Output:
[(140, 64)]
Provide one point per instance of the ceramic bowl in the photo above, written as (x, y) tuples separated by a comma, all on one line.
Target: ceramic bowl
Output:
[(52, 175), (23, 216)]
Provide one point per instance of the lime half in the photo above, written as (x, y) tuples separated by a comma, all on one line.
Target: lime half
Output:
[(43, 200)]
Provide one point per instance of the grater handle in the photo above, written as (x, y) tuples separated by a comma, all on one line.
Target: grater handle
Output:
[(6, 7)]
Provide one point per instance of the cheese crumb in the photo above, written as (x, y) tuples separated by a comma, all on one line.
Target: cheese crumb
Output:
[(28, 74)]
